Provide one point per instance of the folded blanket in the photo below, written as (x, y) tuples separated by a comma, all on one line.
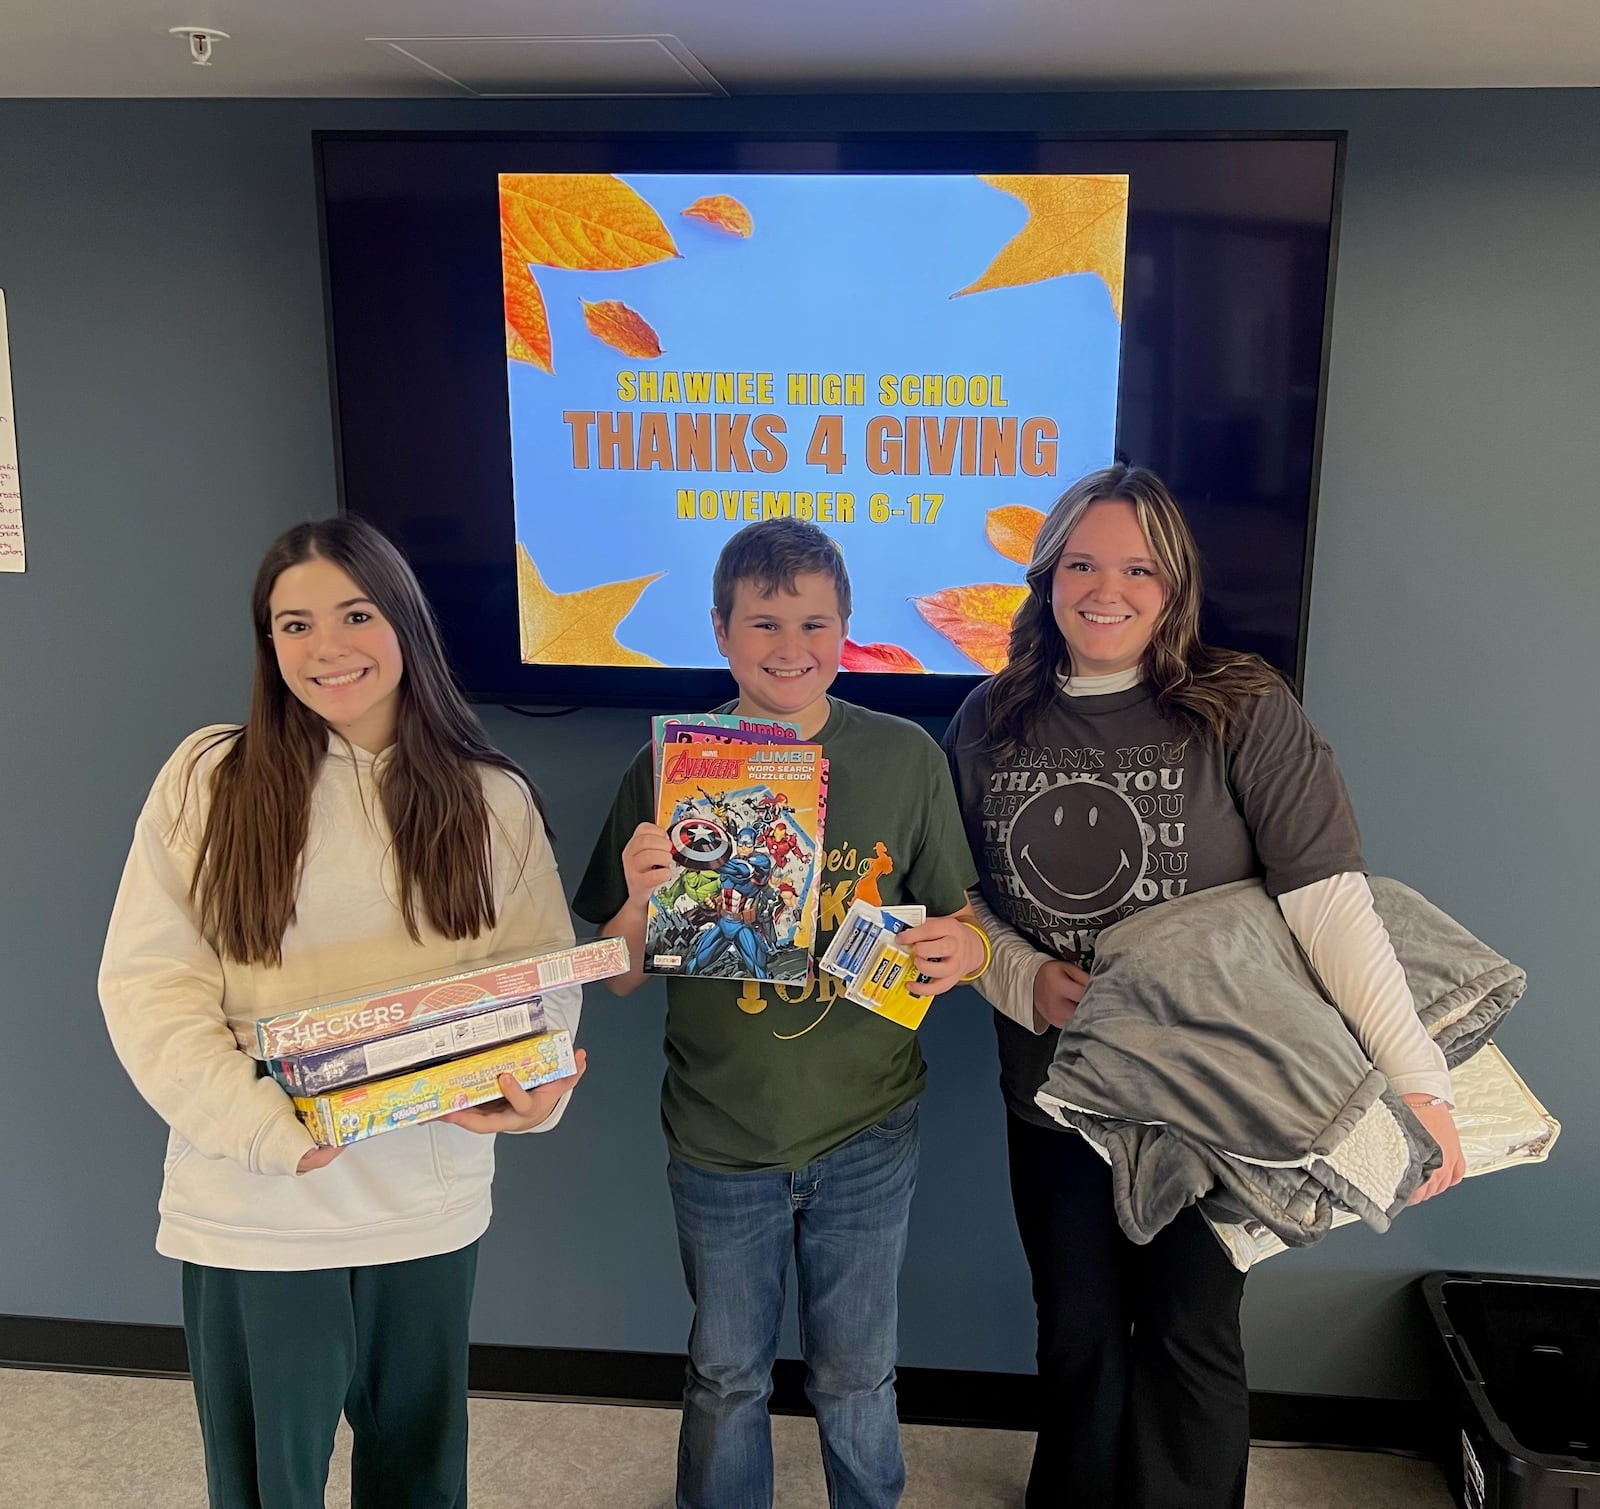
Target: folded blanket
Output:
[(1462, 987), (1501, 1123), (1207, 1064)]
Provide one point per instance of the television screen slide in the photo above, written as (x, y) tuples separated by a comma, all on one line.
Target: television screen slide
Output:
[(919, 363)]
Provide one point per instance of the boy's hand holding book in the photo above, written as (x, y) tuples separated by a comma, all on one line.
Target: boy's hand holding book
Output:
[(646, 862)]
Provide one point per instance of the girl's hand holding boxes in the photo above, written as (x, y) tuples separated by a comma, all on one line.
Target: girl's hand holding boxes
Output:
[(521, 1110), (317, 1157)]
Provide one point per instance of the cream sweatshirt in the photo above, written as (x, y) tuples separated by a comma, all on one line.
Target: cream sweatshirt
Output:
[(178, 1013)]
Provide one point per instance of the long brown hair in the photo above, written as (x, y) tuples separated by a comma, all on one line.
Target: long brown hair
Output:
[(1188, 678), (247, 870)]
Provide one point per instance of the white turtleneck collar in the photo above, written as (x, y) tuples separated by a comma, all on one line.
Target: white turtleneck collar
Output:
[(1100, 686)]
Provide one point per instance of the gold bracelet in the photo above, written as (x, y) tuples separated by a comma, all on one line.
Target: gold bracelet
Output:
[(988, 952)]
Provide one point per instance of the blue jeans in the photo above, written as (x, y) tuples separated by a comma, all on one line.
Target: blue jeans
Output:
[(844, 1217)]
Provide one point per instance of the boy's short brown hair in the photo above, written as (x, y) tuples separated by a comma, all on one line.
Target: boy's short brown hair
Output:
[(770, 555)]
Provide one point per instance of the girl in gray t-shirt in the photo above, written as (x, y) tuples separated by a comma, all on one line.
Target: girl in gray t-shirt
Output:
[(1118, 762)]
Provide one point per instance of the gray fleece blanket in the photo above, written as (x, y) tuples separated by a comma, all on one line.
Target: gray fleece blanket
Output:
[(1207, 1064)]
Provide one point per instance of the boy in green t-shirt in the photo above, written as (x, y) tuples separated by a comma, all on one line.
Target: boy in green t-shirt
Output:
[(790, 1112)]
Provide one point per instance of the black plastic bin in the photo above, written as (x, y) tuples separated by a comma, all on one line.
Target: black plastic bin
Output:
[(1525, 1386)]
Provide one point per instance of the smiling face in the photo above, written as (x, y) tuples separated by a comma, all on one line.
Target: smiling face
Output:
[(336, 652), (1106, 591), (1077, 848), (783, 649)]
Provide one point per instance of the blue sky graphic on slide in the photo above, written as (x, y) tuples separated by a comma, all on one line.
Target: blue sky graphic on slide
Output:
[(842, 274)]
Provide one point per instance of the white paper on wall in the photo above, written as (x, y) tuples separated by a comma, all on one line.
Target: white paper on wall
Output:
[(13, 552)]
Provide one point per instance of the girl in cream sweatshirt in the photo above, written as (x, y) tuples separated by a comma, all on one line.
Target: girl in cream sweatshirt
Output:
[(357, 832)]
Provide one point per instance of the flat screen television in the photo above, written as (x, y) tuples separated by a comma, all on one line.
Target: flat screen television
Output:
[(566, 369)]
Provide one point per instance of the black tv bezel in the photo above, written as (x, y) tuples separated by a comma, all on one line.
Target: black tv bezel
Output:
[(568, 688)]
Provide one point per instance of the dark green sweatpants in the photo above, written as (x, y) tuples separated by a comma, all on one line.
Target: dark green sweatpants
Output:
[(276, 1357)]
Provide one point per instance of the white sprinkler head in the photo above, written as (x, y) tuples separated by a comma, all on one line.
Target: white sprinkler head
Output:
[(199, 39)]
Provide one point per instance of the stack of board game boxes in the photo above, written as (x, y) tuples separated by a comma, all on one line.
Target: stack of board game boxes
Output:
[(359, 1067)]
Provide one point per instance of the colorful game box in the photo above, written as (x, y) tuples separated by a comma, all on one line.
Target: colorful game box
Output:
[(328, 1068), (876, 973), (292, 1034), (745, 825), (360, 1111)]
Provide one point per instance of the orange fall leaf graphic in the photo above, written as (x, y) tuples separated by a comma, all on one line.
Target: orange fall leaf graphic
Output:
[(527, 323), (587, 222), (575, 628), (1076, 224), (976, 620), (617, 325), (1012, 531), (877, 657), (724, 212)]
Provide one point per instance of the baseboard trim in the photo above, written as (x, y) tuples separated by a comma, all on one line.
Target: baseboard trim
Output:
[(92, 1346), (928, 1396)]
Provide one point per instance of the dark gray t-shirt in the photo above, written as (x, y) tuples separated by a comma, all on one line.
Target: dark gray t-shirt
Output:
[(1112, 808)]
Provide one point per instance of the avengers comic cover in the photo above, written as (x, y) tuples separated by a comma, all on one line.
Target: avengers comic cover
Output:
[(714, 728), (745, 825)]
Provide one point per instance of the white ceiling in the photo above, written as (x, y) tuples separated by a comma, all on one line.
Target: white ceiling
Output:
[(84, 48)]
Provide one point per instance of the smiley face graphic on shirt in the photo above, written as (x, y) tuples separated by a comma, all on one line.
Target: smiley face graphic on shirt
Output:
[(1078, 848)]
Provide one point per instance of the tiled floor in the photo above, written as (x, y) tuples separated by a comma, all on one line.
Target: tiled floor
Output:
[(76, 1441)]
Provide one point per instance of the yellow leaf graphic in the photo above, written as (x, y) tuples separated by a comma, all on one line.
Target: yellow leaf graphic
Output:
[(527, 323), (976, 620), (723, 211), (585, 221), (1076, 223), (619, 326), (518, 350), (575, 628), (1012, 531)]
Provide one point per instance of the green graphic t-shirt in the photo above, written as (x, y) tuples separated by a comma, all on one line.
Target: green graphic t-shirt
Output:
[(765, 1076)]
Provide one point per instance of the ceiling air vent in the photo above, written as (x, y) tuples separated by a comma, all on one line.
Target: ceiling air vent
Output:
[(558, 67)]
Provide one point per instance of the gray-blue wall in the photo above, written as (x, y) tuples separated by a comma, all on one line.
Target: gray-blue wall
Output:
[(161, 270)]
